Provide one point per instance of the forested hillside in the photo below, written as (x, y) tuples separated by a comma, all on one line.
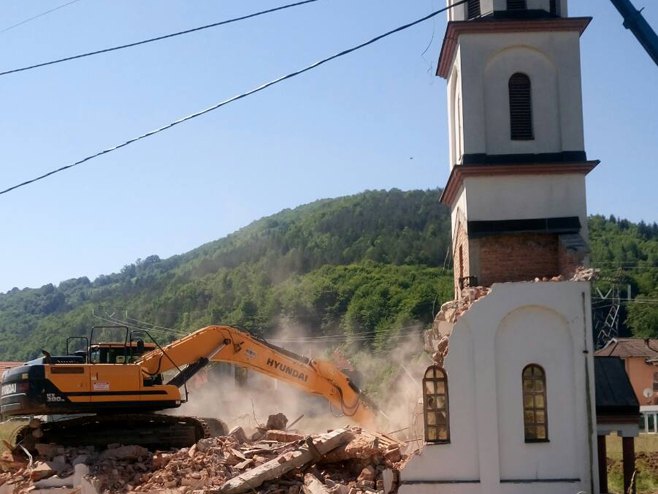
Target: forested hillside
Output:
[(367, 266)]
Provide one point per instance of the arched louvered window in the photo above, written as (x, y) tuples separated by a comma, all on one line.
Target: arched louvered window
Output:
[(520, 108), (473, 8), (435, 405), (516, 5), (535, 419)]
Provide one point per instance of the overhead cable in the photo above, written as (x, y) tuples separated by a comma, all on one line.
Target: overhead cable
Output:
[(151, 40), (25, 21), (231, 100)]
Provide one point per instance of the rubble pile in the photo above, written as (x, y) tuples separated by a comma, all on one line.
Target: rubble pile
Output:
[(437, 337), (344, 461)]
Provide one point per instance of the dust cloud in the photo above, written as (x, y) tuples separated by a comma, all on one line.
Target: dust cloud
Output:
[(391, 379)]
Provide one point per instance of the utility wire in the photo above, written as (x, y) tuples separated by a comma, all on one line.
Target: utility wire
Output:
[(37, 16), (151, 40), (232, 99)]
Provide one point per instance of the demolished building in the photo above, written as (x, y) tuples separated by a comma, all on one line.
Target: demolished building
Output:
[(509, 402)]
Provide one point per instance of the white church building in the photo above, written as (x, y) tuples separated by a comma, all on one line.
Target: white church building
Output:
[(509, 403)]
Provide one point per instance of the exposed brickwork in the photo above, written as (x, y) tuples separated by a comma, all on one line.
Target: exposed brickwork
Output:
[(519, 257), (569, 262), (460, 255)]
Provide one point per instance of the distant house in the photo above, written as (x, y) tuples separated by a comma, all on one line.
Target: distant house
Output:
[(640, 358)]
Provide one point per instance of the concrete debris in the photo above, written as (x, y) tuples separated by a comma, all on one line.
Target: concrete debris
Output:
[(581, 274), (585, 274), (239, 434), (277, 422), (344, 461), (437, 338), (312, 485), (450, 311)]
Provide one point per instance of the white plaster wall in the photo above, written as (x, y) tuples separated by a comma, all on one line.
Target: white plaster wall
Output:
[(459, 212), (544, 95), (526, 197), (455, 131), (459, 460), (559, 337), (486, 63), (536, 335)]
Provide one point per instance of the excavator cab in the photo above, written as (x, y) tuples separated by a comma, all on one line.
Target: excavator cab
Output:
[(111, 350), (97, 374)]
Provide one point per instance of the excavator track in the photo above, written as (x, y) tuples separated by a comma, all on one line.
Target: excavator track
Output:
[(153, 431)]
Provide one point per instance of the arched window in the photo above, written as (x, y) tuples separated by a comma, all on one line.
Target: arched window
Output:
[(473, 8), (516, 5), (435, 405), (520, 108), (535, 418)]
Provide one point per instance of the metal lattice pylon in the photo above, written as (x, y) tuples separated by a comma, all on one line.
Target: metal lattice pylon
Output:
[(607, 328)]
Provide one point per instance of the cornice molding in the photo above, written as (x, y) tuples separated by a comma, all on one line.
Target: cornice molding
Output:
[(494, 25), (460, 172)]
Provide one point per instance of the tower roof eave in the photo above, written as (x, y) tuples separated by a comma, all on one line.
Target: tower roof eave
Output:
[(496, 25)]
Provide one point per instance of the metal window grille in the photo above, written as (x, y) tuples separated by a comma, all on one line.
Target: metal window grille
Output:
[(520, 108), (516, 5), (473, 9), (535, 418), (435, 405)]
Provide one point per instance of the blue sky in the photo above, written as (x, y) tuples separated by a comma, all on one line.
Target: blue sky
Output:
[(375, 119)]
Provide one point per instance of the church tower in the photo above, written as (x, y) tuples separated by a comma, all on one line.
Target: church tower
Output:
[(517, 184), (508, 402)]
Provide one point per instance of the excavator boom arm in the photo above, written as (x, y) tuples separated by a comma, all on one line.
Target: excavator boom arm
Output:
[(228, 344)]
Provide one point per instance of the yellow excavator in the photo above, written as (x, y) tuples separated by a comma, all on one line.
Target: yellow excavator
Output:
[(115, 387)]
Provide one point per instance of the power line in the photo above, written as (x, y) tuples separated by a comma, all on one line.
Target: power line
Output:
[(232, 99), (151, 40), (37, 16)]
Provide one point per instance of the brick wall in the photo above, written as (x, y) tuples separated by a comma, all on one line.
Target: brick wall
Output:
[(568, 262), (519, 257), (460, 256)]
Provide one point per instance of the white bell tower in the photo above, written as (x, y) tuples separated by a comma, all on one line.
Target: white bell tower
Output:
[(508, 402), (517, 157)]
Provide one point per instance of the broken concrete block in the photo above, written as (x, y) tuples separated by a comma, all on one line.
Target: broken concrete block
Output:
[(389, 478), (393, 455), (204, 444), (283, 436), (125, 453), (368, 473), (284, 463), (244, 464), (277, 421), (41, 470), (239, 434), (312, 485)]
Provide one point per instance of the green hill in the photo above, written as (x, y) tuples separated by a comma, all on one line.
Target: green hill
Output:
[(367, 267), (365, 264)]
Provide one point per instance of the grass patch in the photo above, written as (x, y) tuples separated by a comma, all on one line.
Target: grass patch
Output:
[(646, 464)]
